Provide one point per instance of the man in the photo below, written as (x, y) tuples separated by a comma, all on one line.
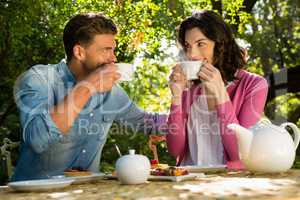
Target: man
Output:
[(67, 109)]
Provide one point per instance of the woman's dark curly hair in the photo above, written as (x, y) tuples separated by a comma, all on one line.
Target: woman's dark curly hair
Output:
[(228, 56)]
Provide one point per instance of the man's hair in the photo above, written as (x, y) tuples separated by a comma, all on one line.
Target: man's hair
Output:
[(82, 28), (228, 56)]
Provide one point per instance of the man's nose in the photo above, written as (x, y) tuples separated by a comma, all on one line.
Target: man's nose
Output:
[(113, 57)]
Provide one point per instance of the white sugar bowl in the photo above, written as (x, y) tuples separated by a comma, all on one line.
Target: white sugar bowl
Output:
[(133, 168)]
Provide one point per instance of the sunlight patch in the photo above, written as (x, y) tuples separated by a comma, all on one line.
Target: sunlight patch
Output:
[(237, 186)]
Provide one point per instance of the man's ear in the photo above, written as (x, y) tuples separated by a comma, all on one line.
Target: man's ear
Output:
[(79, 52)]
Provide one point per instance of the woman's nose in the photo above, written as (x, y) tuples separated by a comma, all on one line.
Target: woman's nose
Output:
[(194, 54)]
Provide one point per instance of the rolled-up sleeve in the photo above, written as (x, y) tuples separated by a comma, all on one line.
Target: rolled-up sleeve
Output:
[(34, 97)]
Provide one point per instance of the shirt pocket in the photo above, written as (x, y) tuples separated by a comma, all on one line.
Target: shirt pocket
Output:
[(73, 136), (105, 124), (108, 118), (66, 138)]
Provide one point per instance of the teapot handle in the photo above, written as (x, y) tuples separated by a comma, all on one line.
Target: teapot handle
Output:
[(296, 132)]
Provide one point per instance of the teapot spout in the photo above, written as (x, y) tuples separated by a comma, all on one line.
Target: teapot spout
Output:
[(244, 138)]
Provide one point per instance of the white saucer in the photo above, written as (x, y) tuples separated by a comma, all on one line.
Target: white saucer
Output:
[(81, 179), (203, 169), (39, 185), (190, 176)]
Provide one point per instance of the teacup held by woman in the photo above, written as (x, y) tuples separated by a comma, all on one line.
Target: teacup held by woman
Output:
[(191, 69)]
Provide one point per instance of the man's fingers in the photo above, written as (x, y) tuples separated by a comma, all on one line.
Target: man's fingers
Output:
[(117, 76), (111, 68)]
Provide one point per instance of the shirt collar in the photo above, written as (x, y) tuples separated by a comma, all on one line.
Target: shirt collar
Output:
[(67, 75)]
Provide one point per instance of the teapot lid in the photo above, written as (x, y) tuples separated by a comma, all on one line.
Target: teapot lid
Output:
[(262, 124), (131, 151)]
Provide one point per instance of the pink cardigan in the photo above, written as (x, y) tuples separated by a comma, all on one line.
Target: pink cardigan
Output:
[(247, 100)]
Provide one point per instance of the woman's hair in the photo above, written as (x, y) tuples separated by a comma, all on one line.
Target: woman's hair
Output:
[(228, 56)]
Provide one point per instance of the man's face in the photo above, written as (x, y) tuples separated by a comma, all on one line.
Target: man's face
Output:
[(99, 52)]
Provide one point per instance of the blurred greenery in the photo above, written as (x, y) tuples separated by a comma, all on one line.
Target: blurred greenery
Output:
[(297, 163), (31, 33)]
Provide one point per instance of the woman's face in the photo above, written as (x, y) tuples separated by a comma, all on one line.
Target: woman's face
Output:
[(198, 46)]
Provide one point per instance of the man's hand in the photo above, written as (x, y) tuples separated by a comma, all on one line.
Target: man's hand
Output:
[(65, 112), (103, 79)]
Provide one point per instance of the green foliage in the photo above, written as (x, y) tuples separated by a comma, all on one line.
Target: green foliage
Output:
[(287, 107), (274, 35)]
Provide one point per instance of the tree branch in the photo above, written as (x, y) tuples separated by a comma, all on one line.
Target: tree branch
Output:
[(248, 5), (217, 5)]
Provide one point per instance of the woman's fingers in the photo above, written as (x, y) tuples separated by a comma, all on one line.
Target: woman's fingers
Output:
[(203, 76), (208, 67), (177, 74), (177, 68), (174, 76), (207, 72), (178, 77)]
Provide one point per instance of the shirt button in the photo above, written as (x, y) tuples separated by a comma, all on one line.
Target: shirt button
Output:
[(83, 151), (91, 114)]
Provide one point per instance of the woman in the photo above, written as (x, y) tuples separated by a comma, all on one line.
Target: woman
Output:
[(224, 93)]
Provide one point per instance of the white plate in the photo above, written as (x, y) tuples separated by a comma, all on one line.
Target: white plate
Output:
[(190, 176), (203, 169), (110, 176), (82, 179), (39, 185)]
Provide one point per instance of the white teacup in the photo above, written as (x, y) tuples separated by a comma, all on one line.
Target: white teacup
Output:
[(126, 70), (191, 69)]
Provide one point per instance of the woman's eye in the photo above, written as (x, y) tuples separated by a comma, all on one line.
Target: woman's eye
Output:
[(200, 44)]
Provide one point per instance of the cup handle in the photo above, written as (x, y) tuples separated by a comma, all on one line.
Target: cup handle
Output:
[(296, 132)]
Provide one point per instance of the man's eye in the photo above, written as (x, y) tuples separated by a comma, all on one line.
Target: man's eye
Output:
[(106, 50)]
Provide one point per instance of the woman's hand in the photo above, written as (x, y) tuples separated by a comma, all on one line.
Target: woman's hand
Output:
[(213, 83), (178, 83)]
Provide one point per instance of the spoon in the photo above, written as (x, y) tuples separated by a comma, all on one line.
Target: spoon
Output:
[(118, 150)]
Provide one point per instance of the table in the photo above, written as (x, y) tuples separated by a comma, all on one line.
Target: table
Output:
[(225, 185)]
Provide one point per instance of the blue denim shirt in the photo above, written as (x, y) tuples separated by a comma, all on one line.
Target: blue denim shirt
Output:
[(45, 151)]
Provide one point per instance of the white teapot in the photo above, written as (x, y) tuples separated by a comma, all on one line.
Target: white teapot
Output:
[(266, 147), (133, 168)]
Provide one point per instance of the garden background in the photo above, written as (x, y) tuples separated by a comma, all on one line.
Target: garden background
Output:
[(31, 33)]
